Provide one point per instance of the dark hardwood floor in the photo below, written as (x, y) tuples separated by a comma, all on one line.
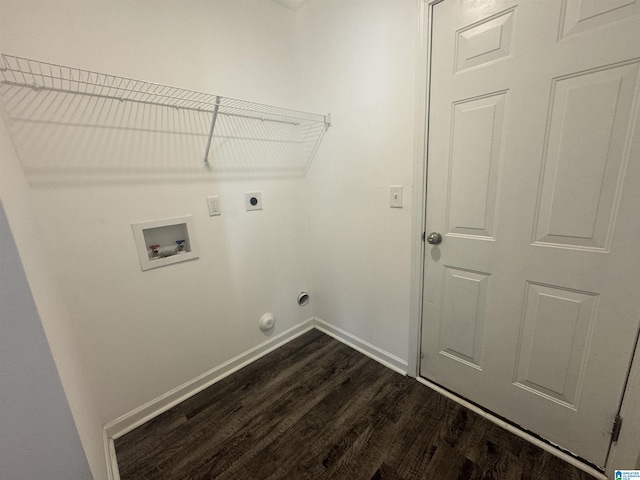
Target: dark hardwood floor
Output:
[(317, 409)]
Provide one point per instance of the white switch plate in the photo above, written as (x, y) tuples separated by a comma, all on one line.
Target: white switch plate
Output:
[(253, 201), (213, 203), (395, 196)]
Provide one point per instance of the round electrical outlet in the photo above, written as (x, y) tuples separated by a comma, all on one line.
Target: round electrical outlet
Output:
[(267, 322)]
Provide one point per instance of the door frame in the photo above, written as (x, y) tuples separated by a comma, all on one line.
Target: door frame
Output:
[(625, 453)]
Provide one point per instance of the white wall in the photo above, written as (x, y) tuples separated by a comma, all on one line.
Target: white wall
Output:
[(39, 438), (145, 333), (237, 48), (141, 334), (357, 61), (62, 337)]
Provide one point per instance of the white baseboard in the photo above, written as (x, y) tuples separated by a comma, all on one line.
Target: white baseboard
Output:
[(155, 407), (110, 453), (371, 351), (517, 431)]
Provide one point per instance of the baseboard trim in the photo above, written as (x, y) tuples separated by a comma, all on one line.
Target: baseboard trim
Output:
[(371, 351), (152, 409), (562, 455), (155, 407), (110, 453)]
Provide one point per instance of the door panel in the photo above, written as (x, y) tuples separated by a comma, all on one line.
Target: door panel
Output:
[(581, 15), (476, 140), (531, 304), (484, 41), (553, 346), (464, 312), (587, 141)]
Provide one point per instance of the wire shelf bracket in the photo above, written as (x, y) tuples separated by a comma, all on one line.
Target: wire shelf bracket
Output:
[(214, 117), (288, 126)]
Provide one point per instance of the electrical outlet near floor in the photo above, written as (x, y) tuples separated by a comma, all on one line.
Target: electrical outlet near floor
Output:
[(213, 203)]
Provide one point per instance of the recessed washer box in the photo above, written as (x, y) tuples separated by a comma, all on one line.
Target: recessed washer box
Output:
[(165, 242)]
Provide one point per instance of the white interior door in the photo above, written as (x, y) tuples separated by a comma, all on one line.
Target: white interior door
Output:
[(532, 299)]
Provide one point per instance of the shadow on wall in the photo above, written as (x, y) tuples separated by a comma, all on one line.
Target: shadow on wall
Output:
[(75, 126)]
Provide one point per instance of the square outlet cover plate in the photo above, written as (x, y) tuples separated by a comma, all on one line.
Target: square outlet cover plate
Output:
[(253, 201)]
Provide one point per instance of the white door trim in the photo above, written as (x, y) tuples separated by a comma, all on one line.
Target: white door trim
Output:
[(423, 65), (625, 454)]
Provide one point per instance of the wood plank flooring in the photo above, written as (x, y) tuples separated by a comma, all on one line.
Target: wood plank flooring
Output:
[(317, 409)]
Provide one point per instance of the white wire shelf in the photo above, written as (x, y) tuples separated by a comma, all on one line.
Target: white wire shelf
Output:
[(287, 126)]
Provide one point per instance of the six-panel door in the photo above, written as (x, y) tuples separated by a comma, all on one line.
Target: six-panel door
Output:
[(532, 300)]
